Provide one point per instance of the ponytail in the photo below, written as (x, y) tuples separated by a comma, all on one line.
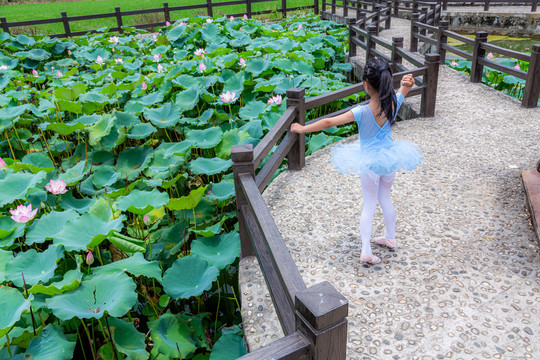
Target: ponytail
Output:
[(378, 74)]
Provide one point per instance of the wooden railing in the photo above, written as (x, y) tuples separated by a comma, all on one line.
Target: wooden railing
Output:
[(478, 58), (429, 68), (166, 10), (313, 319), (366, 12), (487, 3), (430, 9)]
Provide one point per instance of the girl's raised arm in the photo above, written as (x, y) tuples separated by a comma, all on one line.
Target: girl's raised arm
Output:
[(324, 123), (407, 83)]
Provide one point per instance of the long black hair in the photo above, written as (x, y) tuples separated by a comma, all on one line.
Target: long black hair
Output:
[(378, 74)]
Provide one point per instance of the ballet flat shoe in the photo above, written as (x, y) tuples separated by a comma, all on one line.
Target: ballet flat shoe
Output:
[(370, 259), (391, 243)]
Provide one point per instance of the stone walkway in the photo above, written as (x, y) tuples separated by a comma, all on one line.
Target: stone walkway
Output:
[(464, 281)]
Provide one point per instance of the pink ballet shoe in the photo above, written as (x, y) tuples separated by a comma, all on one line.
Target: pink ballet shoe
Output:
[(391, 243), (370, 259)]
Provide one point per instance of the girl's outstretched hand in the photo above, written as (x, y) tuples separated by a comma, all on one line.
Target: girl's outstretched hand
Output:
[(297, 128), (407, 81)]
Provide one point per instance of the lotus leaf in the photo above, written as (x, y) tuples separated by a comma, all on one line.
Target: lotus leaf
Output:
[(141, 202), (228, 347), (86, 231), (209, 166), (221, 191), (105, 175), (71, 280), (100, 129), (113, 293), (150, 99), (178, 149), (187, 99), (205, 139), (252, 110), (12, 112), (7, 226), (318, 141), (25, 40), (70, 93), (15, 186), (176, 33), (188, 202), (48, 225), (163, 117), (74, 174), (219, 251), (211, 33), (170, 335), (141, 131), (71, 106), (189, 276), (5, 257), (102, 208), (51, 345), (235, 84), (67, 201), (38, 54), (8, 240), (210, 230), (12, 305), (132, 161), (230, 138), (257, 65), (127, 339), (36, 267), (135, 265), (126, 119), (65, 129)]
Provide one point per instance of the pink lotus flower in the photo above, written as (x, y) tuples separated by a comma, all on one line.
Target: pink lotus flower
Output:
[(454, 63), (490, 55), (23, 214), (34, 72), (58, 73), (199, 52), (182, 23), (231, 18), (118, 61), (208, 21), (299, 26), (144, 87), (114, 39), (69, 52), (242, 63), (4, 67), (154, 37), (99, 60), (275, 100), (159, 68), (157, 57), (146, 220), (202, 67), (228, 97), (3, 165), (517, 67), (56, 187), (245, 16), (89, 258), (167, 23)]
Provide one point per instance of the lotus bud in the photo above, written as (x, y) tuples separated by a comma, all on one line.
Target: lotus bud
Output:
[(3, 165), (517, 67), (167, 23), (231, 18), (69, 52), (159, 68), (208, 21), (146, 220), (202, 67), (245, 16), (144, 86), (89, 258)]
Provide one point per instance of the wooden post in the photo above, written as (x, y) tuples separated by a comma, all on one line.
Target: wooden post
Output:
[(345, 8), (321, 315), (323, 5), (248, 8), (396, 8), (445, 5), (209, 9), (316, 7), (478, 52), (397, 42), (284, 8), (359, 10), (4, 24), (242, 157), (442, 40), (166, 13), (429, 97), (532, 84), (534, 5), (352, 46), (297, 156), (372, 31), (486, 5), (414, 6), (119, 21), (388, 14), (65, 20), (414, 31), (376, 19), (333, 7), (362, 25)]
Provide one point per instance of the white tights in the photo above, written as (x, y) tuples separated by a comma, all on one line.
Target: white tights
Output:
[(376, 188)]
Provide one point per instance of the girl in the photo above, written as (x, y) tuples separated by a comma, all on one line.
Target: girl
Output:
[(375, 157)]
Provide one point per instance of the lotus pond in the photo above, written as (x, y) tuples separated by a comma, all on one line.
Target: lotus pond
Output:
[(118, 229)]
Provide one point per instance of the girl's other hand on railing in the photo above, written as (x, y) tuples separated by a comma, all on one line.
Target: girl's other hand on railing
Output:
[(297, 128)]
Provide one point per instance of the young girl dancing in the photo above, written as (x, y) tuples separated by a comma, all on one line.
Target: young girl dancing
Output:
[(375, 157)]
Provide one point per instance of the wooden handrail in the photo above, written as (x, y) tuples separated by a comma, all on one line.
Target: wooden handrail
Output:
[(293, 346)]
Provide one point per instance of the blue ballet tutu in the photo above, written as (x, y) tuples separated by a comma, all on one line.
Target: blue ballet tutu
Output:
[(382, 159)]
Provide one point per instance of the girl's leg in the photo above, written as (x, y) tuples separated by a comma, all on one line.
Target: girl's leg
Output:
[(370, 185), (389, 212)]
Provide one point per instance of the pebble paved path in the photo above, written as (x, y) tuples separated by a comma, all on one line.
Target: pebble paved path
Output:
[(464, 280)]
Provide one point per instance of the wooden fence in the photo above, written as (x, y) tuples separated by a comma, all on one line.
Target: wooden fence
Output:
[(379, 12), (313, 319), (439, 39), (166, 10)]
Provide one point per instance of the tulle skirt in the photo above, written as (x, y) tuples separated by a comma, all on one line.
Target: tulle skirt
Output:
[(351, 159)]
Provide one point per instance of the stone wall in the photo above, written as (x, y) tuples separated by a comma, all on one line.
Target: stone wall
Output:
[(527, 25)]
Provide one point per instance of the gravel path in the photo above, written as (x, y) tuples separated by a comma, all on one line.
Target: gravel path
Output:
[(464, 281)]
